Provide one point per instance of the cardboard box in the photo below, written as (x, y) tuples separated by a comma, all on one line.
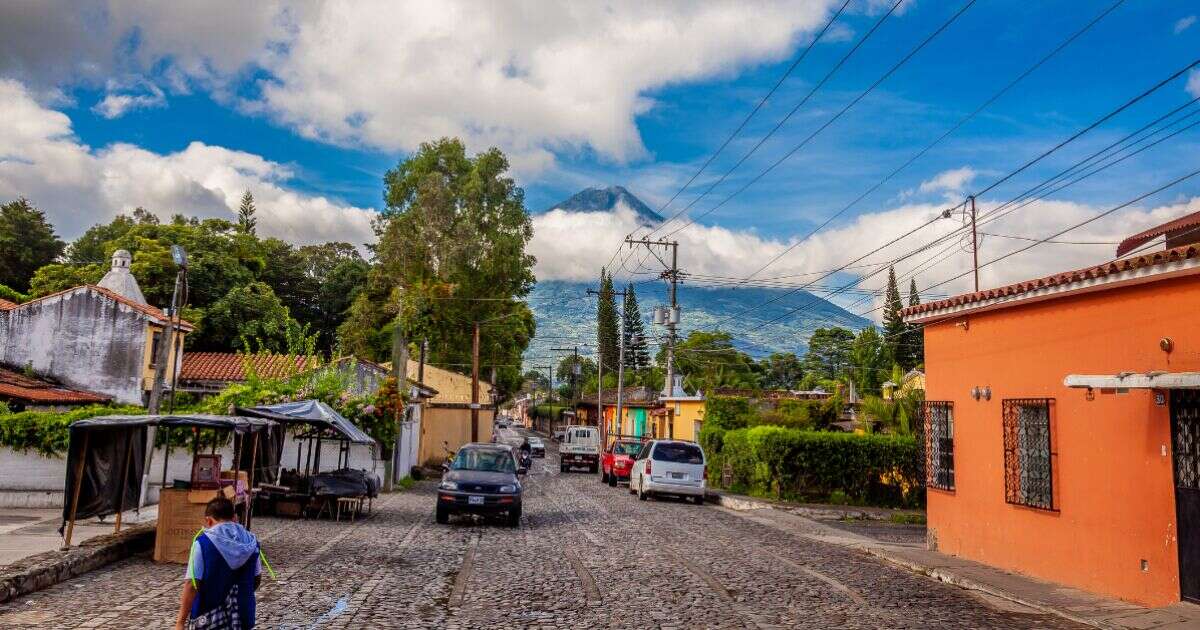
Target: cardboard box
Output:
[(180, 516)]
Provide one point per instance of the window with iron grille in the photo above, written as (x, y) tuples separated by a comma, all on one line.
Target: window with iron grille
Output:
[(939, 444), (1028, 468)]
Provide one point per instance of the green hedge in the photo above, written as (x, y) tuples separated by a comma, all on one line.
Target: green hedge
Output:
[(47, 431), (813, 465)]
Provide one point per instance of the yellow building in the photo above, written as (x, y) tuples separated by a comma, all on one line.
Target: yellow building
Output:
[(683, 414), (446, 417)]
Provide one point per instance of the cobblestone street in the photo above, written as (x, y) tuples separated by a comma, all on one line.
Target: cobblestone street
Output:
[(586, 555)]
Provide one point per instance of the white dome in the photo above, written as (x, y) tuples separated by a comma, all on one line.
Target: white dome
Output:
[(120, 281)]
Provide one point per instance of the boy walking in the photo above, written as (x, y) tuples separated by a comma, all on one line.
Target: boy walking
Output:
[(223, 572)]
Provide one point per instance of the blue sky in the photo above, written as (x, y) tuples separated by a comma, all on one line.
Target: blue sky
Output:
[(313, 108)]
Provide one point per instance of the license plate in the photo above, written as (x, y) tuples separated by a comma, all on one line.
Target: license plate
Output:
[(676, 475), (475, 500)]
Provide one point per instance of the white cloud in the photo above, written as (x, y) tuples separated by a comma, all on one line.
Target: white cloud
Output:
[(562, 254), (1193, 84), (79, 186), (125, 96), (1184, 24), (531, 77), (953, 181)]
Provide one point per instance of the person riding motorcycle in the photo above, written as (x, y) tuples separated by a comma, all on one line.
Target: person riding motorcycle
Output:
[(526, 451)]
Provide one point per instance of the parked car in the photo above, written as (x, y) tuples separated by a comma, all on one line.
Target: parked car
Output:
[(580, 447), (669, 467), (557, 434), (537, 447), (481, 479), (617, 461)]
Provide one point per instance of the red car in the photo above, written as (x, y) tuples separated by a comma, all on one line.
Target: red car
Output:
[(617, 461)]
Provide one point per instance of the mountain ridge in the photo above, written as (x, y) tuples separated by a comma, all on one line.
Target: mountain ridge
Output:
[(606, 200)]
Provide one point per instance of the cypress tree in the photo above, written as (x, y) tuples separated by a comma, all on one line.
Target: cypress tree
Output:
[(606, 322), (915, 344), (893, 327), (636, 356)]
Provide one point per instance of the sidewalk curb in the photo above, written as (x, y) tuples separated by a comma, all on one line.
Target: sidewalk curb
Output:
[(44, 570)]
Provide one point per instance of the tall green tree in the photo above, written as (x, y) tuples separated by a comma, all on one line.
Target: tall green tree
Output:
[(914, 342), (451, 252), (607, 334), (250, 317), (828, 353), (709, 359), (637, 358), (893, 327), (247, 223), (781, 370), (869, 361), (27, 241)]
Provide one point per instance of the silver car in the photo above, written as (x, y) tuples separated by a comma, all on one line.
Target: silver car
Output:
[(669, 467)]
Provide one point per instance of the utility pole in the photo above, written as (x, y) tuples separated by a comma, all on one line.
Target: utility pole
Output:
[(620, 373), (400, 373), (166, 341), (974, 244), (671, 316), (475, 385)]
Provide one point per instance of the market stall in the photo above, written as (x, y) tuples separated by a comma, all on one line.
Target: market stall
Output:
[(307, 490), (105, 465)]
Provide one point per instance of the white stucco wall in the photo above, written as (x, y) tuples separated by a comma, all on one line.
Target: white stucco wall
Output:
[(82, 339)]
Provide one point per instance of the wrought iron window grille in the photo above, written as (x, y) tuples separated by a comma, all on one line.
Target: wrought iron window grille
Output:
[(1029, 452), (939, 444)]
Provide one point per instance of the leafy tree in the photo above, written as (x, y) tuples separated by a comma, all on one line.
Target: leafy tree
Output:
[(57, 277), (451, 252), (250, 317), (868, 360), (781, 370), (708, 360), (28, 242), (914, 339), (637, 358), (893, 327), (606, 322), (828, 353), (247, 222)]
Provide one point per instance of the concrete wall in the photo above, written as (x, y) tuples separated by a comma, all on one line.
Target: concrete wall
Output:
[(452, 425), (82, 339), (1112, 463)]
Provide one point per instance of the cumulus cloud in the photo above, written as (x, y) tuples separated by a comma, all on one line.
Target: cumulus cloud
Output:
[(570, 246), (1193, 84), (953, 181), (1184, 24), (125, 96), (79, 186), (531, 77)]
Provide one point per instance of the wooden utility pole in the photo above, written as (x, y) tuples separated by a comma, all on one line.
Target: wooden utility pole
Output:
[(400, 373), (475, 385), (671, 318), (974, 244)]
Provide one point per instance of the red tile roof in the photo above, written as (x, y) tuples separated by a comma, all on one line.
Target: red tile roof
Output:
[(5, 305), (1141, 261), (1182, 223), (25, 388), (231, 366), (155, 314)]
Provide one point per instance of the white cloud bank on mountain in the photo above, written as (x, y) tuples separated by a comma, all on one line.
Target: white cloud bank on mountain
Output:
[(531, 77), (79, 186), (571, 246)]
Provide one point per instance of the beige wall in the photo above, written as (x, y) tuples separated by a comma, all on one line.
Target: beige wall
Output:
[(453, 425), (686, 414), (148, 358), (452, 387)]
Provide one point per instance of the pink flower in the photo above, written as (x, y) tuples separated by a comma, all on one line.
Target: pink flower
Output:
[(369, 409)]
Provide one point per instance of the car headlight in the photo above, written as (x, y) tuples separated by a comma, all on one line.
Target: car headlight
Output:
[(508, 489), (448, 485)]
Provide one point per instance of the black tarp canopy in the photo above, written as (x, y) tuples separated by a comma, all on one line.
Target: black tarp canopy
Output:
[(314, 413), (107, 455)]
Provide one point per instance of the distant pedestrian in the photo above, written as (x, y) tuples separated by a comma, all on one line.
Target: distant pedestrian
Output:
[(223, 572)]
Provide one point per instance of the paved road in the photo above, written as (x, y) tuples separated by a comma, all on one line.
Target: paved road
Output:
[(585, 555)]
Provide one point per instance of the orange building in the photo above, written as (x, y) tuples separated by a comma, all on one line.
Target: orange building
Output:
[(1063, 425)]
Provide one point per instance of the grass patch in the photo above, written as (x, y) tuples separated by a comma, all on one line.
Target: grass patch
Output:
[(405, 482), (903, 518)]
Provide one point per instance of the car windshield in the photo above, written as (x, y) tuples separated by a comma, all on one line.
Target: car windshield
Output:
[(627, 448), (485, 459), (678, 453)]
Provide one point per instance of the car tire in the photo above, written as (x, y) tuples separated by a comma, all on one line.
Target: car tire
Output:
[(612, 481), (698, 500), (514, 518), (562, 468), (441, 515), (603, 477), (641, 493)]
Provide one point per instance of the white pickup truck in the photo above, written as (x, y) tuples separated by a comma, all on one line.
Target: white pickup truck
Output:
[(580, 446)]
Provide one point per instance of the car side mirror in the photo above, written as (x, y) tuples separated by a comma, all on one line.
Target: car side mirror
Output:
[(445, 467)]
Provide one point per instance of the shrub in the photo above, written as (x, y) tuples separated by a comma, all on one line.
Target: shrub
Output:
[(728, 412), (47, 432), (806, 465)]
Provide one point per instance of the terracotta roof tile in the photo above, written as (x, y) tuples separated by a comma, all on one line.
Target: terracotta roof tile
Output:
[(5, 305), (153, 313), (1150, 259), (35, 390), (231, 366), (1184, 222)]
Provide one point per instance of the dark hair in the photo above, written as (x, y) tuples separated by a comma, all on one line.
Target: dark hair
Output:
[(220, 509)]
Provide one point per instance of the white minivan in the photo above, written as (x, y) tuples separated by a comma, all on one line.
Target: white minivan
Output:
[(669, 467)]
